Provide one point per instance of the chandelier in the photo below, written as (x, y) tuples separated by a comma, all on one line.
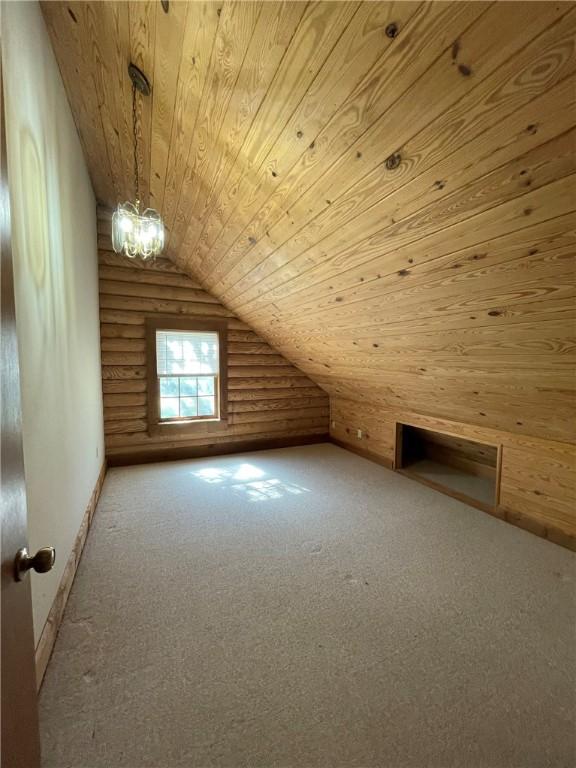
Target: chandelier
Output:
[(139, 235)]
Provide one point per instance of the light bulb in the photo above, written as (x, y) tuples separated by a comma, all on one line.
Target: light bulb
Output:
[(137, 235)]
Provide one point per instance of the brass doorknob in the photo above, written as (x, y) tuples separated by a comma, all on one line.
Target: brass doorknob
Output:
[(42, 562)]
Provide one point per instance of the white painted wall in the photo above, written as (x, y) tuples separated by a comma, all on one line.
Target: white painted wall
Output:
[(56, 286)]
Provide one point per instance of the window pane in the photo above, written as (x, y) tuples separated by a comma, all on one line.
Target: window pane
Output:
[(188, 387), (188, 406), (206, 386), (205, 406), (187, 352), (168, 407), (169, 387)]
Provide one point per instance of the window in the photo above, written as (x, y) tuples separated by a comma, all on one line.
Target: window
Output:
[(186, 371), (187, 368)]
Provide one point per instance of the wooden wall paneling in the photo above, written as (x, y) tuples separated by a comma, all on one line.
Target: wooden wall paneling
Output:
[(162, 306), (538, 489), (536, 477), (234, 445), (286, 403), (463, 409), (123, 414), (107, 257), (282, 428), (143, 290), (122, 387), (294, 380), (378, 430), (112, 400), (270, 399), (148, 276), (281, 390), (445, 402), (136, 317)]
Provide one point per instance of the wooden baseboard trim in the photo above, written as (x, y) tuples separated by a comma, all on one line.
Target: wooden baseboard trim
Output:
[(382, 460), (217, 449), (531, 524), (49, 633)]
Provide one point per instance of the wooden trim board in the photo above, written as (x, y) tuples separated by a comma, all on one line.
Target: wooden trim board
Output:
[(50, 632), (216, 449), (156, 323), (528, 523), (498, 473), (398, 445)]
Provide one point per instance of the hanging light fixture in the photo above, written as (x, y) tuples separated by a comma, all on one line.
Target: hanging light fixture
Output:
[(137, 235)]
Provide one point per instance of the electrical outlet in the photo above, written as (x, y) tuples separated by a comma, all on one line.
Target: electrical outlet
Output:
[(333, 425), (359, 434)]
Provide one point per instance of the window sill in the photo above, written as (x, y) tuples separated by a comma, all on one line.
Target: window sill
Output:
[(182, 422), (192, 427)]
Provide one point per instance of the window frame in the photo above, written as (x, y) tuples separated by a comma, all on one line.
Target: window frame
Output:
[(158, 426)]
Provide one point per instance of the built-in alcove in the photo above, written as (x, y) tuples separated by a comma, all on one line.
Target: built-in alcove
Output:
[(462, 468)]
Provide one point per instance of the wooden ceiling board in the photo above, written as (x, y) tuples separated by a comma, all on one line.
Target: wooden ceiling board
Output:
[(334, 153), (384, 191), (256, 267), (361, 42), (557, 107)]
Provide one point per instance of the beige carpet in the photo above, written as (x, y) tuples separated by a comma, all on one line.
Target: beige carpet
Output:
[(305, 607)]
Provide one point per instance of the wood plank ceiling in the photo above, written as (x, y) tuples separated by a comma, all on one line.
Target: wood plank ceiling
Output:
[(384, 191)]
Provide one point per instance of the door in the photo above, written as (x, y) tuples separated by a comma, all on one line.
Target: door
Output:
[(20, 747)]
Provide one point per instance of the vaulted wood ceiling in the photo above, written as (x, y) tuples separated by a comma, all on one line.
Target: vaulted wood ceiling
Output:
[(385, 191)]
